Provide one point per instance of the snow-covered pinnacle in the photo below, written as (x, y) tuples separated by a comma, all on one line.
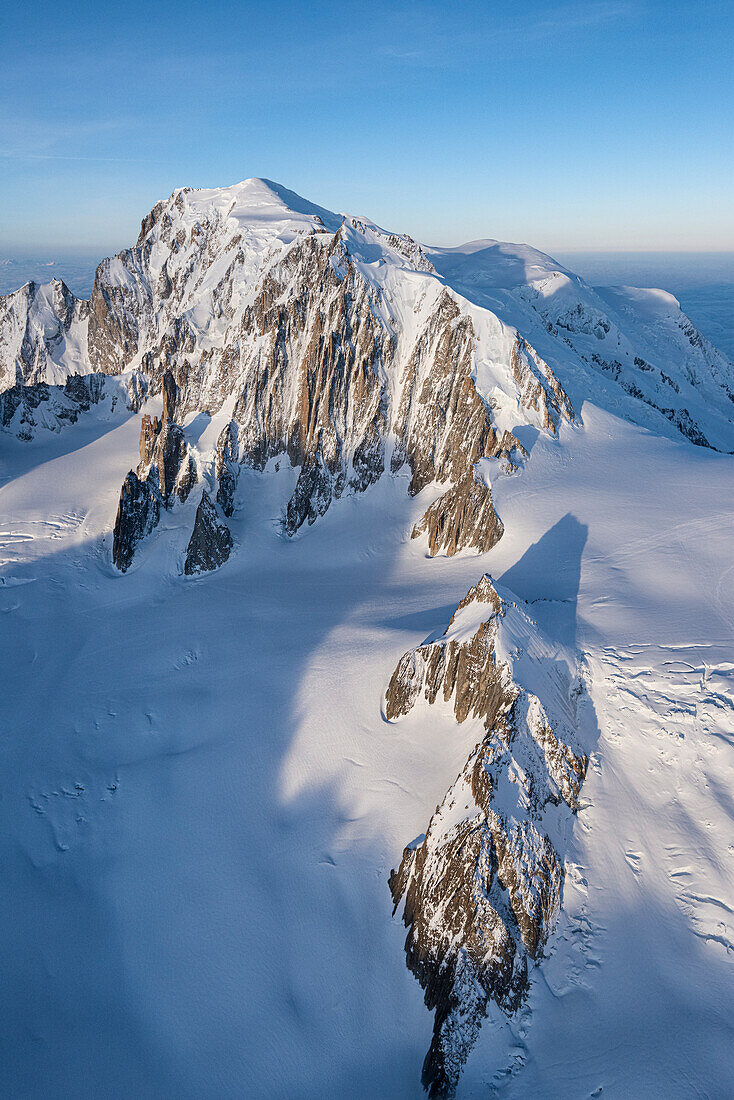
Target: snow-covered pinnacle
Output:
[(330, 341)]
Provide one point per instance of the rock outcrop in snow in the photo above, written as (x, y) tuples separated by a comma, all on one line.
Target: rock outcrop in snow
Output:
[(482, 889), (163, 450), (138, 513), (211, 540), (166, 471), (23, 407), (463, 516)]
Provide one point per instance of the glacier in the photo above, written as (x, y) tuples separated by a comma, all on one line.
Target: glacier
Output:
[(202, 797)]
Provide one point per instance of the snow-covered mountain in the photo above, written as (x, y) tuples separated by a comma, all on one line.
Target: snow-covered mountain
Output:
[(273, 452)]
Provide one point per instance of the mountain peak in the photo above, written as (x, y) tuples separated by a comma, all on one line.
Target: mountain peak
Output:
[(258, 199)]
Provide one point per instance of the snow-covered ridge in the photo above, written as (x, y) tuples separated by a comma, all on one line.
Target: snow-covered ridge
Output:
[(181, 292), (481, 889)]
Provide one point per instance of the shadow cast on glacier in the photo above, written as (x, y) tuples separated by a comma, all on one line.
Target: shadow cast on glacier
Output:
[(181, 923), (548, 576)]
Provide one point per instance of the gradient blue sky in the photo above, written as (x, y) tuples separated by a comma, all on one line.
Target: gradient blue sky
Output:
[(569, 125)]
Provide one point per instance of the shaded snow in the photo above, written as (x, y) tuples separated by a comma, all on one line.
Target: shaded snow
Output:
[(201, 800)]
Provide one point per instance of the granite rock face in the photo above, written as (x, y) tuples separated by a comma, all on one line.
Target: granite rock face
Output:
[(211, 540), (333, 343), (166, 473), (442, 424), (480, 892), (163, 450), (138, 513), (462, 517), (252, 295)]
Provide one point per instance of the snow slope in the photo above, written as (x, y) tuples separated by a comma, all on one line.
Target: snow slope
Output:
[(201, 801)]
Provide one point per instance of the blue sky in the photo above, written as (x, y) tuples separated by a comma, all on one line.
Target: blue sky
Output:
[(569, 125)]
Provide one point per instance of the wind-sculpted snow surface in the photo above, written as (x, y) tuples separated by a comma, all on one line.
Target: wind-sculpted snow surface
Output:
[(482, 889)]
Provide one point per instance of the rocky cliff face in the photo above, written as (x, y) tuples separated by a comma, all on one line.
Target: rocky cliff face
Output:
[(24, 409), (333, 344), (462, 517), (344, 349), (222, 287), (482, 888), (211, 541), (138, 513), (166, 471)]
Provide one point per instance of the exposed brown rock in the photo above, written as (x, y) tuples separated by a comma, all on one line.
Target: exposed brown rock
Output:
[(539, 389), (312, 495), (458, 946), (187, 478), (170, 393), (482, 889), (168, 457), (463, 517), (442, 423), (308, 359), (481, 592), (163, 451), (166, 471), (114, 323), (149, 432)]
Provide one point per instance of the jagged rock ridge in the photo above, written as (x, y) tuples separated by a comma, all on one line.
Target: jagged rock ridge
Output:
[(24, 408), (253, 299), (166, 472), (211, 540), (482, 889), (351, 350), (184, 297)]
